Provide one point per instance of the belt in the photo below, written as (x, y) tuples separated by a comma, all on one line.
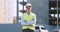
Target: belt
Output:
[(28, 27)]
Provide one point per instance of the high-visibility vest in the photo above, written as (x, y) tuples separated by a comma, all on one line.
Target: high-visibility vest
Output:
[(28, 17), (28, 27)]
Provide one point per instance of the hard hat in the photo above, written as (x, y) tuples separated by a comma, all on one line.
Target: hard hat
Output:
[(28, 4)]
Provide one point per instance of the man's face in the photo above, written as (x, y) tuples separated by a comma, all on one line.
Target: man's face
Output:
[(28, 8)]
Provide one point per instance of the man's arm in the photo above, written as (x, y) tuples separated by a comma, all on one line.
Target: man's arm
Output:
[(33, 21), (22, 21)]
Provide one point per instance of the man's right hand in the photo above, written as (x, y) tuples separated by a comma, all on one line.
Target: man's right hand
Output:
[(32, 25)]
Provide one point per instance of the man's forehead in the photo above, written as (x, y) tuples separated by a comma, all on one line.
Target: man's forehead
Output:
[(28, 6)]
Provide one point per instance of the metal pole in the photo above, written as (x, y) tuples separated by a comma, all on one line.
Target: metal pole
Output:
[(17, 11), (57, 14), (23, 6)]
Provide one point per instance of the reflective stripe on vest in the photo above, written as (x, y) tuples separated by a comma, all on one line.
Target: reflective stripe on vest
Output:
[(28, 17), (25, 27)]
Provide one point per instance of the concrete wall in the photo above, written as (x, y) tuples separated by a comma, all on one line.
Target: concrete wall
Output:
[(2, 16), (10, 10), (10, 28), (7, 11)]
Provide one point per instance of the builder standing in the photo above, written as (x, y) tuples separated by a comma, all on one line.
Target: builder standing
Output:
[(28, 19)]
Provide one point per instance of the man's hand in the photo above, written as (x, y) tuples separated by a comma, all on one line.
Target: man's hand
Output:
[(25, 20), (32, 25), (32, 19)]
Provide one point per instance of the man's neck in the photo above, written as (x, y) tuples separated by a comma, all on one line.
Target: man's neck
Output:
[(28, 13)]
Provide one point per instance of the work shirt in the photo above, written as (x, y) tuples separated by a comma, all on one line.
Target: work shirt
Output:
[(29, 21)]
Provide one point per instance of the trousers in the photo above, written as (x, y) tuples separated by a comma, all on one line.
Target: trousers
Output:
[(27, 30)]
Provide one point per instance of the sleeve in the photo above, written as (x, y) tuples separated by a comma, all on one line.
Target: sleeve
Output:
[(33, 21), (22, 21)]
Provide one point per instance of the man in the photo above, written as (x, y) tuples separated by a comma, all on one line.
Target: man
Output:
[(28, 19)]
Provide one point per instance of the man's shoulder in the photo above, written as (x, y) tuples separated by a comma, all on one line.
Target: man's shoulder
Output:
[(24, 13), (31, 13), (34, 14)]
